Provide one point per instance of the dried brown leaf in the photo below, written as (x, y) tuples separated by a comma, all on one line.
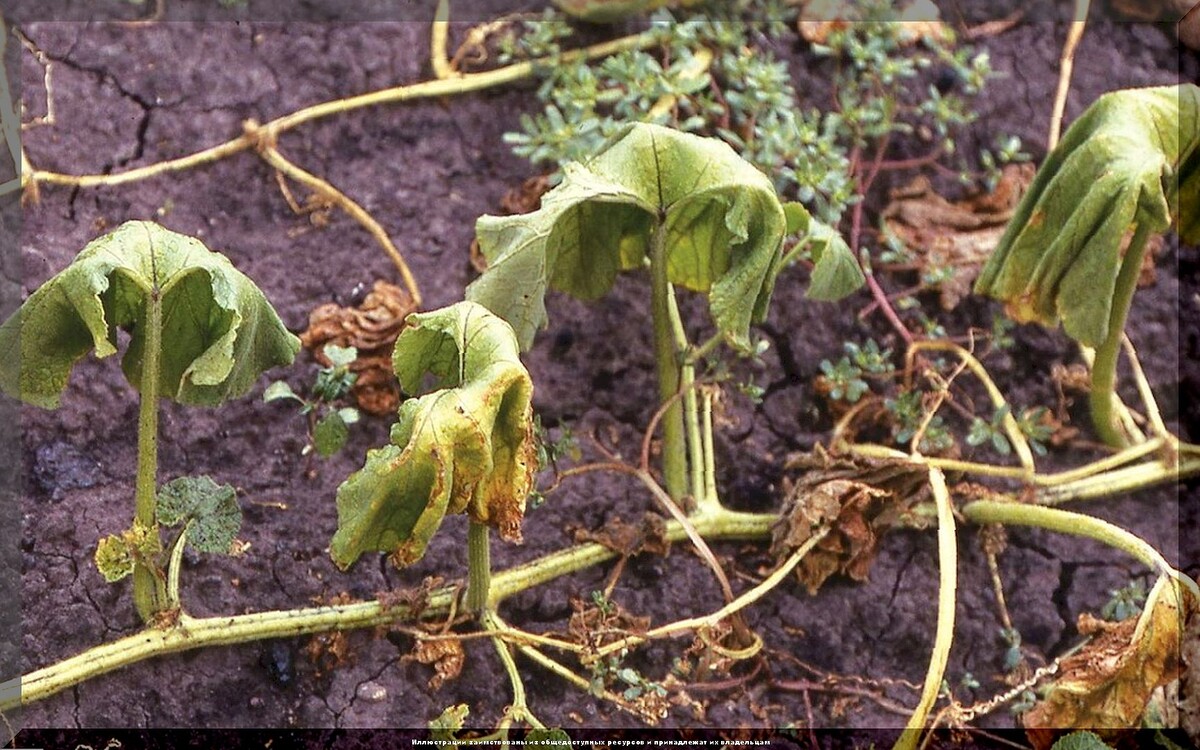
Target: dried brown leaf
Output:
[(1109, 681), (955, 234), (372, 328), (446, 655), (628, 539), (595, 626), (919, 21), (1189, 680)]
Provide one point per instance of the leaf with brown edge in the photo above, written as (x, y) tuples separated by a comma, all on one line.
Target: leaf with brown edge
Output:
[(1131, 159), (1109, 681), (465, 447)]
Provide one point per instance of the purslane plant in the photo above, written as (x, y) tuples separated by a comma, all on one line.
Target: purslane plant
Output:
[(201, 332), (1129, 164), (687, 209)]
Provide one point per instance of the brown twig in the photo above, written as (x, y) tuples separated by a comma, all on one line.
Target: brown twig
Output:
[(1067, 64), (265, 146)]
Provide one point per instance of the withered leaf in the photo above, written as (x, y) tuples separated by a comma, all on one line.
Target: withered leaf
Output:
[(859, 501), (918, 21), (959, 235), (1109, 681), (630, 539), (446, 656), (372, 328), (467, 446), (595, 626)]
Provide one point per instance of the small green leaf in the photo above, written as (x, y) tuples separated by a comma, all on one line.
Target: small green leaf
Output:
[(349, 415), (1080, 741), (1133, 158), (445, 727), (280, 389), (211, 510), (550, 738), (116, 554), (835, 272), (467, 447), (330, 433), (219, 332), (340, 356), (723, 227)]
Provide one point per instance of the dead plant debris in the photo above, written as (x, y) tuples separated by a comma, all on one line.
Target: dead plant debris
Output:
[(920, 20), (959, 235), (629, 539), (860, 500), (372, 328), (445, 654)]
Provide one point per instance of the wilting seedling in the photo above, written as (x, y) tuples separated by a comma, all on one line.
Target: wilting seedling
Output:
[(466, 446), (691, 211), (1129, 164), (201, 333)]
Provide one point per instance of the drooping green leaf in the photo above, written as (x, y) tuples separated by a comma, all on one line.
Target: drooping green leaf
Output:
[(117, 554), (722, 227), (835, 272), (330, 433), (466, 447), (1133, 158), (219, 332), (210, 510)]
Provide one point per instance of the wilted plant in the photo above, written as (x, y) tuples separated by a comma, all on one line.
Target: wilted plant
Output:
[(200, 333)]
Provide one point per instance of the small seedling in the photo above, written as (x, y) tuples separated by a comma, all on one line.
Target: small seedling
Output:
[(991, 432), (200, 333), (328, 421), (1124, 602)]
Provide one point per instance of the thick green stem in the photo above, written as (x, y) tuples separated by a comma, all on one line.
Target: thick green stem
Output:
[(691, 411), (1104, 369), (667, 359), (479, 567), (192, 633), (149, 589), (1077, 524)]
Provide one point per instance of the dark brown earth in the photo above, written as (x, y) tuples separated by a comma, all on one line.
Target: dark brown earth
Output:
[(129, 96)]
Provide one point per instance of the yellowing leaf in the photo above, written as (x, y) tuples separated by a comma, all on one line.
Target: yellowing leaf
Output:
[(467, 447), (1108, 682), (721, 220), (219, 332), (1133, 158), (117, 554)]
